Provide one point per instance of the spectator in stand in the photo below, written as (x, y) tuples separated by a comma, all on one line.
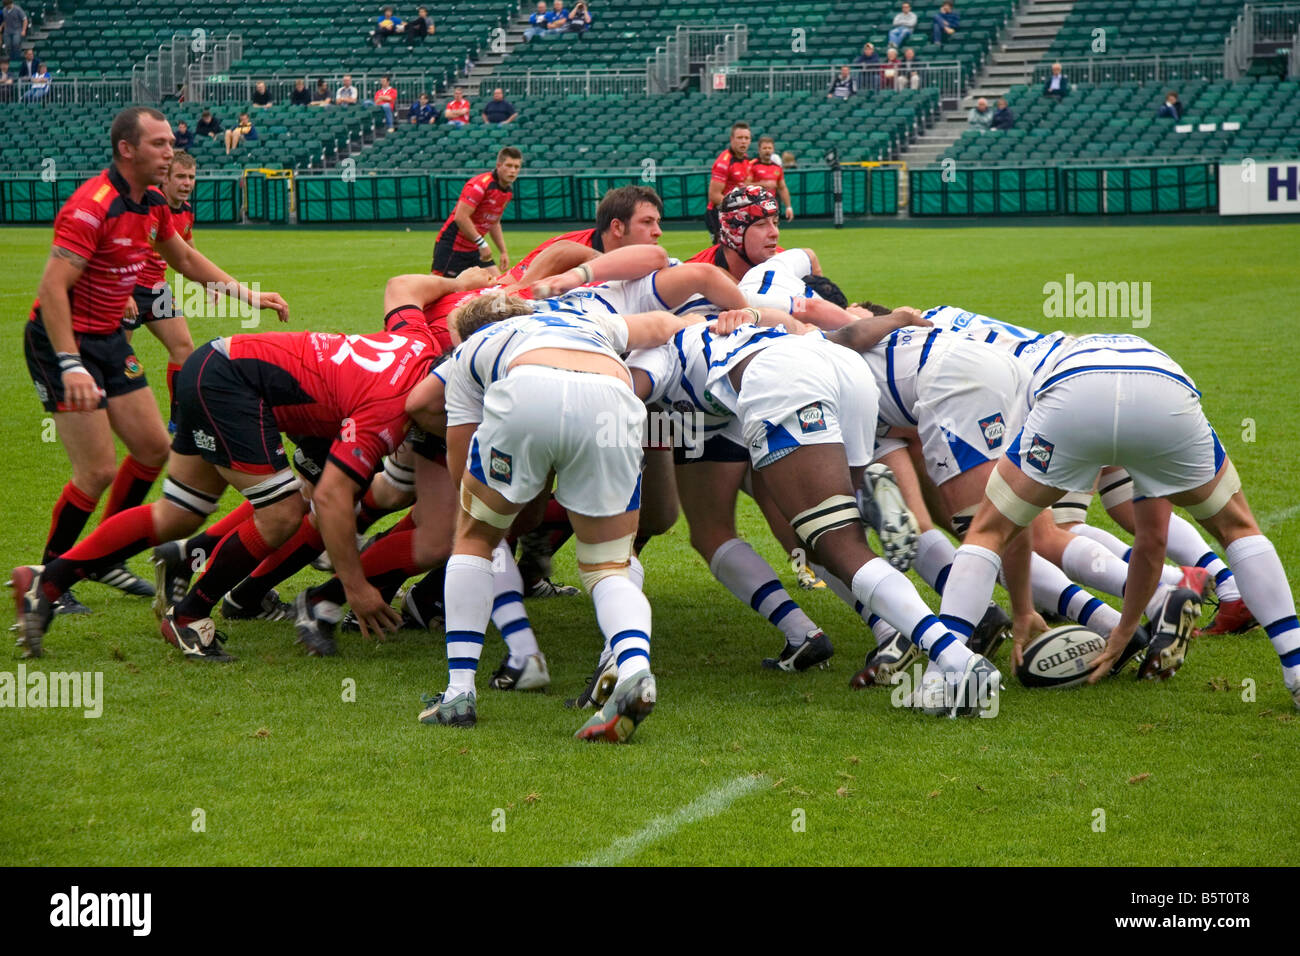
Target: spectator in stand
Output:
[(184, 136), (1058, 84), (537, 21), (1003, 118), (889, 70), (499, 110), (243, 130), (40, 87), (322, 95), (981, 117), (945, 25), (1173, 109), (557, 21), (387, 24), (15, 28), (261, 98), (209, 125), (6, 82), (843, 87), (346, 95), (579, 19), (904, 24), (419, 29), (422, 112), (386, 100), (788, 160), (909, 74), (457, 111), (29, 65), (300, 96), (866, 63)]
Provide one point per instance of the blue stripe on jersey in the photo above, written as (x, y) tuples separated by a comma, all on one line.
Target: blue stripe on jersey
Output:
[(686, 382), (993, 335), (476, 466), (1219, 453), (925, 350), (778, 439), (1055, 345), (967, 458), (1111, 348), (497, 364), (1115, 368), (603, 301), (889, 376), (654, 290), (1012, 454), (474, 358), (635, 501), (753, 339), (768, 276), (1026, 343), (689, 304), (707, 338)]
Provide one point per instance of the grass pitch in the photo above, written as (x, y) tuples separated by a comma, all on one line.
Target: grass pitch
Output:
[(265, 762)]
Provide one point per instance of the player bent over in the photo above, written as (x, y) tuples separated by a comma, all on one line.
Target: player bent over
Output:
[(235, 396), (525, 396), (1116, 399)]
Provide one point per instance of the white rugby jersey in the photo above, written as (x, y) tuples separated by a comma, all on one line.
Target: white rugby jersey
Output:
[(1029, 347), (1106, 353), (678, 373), (486, 355), (722, 353), (895, 361), (778, 282)]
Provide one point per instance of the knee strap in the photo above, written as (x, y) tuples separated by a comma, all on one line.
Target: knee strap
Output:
[(1116, 488), (276, 488), (1011, 505), (191, 499), (837, 511), (603, 559), (1072, 507), (479, 511), (1228, 486)]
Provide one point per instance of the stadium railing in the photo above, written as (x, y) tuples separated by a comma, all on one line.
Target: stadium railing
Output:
[(946, 76), (238, 88), (634, 81), (690, 44), (1262, 23), (71, 90), (1137, 69)]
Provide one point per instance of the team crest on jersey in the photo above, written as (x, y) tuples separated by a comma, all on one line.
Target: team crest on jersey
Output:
[(994, 429), (812, 418), (133, 367), (501, 466), (203, 441), (1040, 453)]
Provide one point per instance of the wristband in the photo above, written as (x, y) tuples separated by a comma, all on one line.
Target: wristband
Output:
[(481, 242), (758, 316), (70, 362), (585, 271)]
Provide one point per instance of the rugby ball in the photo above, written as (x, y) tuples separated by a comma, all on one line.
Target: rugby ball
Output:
[(1061, 657)]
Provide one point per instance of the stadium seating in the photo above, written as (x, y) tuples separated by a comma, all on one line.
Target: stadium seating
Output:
[(1154, 26), (1119, 122), (288, 136), (555, 135), (110, 36), (623, 35)]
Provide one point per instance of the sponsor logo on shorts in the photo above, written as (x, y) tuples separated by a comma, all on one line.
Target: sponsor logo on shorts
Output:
[(811, 418), (133, 367), (1040, 453), (204, 441), (994, 429), (501, 466), (715, 406)]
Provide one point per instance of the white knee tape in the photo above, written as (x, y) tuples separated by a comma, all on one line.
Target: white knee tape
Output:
[(191, 499), (1072, 507), (603, 559), (481, 512), (1228, 486), (1116, 488), (270, 490), (837, 511), (1010, 504)]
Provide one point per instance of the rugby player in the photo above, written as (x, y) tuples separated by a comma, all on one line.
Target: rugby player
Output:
[(463, 239), (766, 171), (730, 170), (81, 363)]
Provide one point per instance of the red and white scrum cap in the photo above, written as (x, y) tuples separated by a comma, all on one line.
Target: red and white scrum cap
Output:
[(740, 209)]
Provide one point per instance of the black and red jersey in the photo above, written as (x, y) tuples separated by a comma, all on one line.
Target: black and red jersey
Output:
[(155, 266), (730, 170), (488, 198), (767, 175), (102, 224), (584, 237), (351, 388)]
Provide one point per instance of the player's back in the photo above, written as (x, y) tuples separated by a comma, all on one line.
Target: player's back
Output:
[(1107, 353)]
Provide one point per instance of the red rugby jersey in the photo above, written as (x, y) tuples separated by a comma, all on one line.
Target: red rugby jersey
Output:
[(488, 199), (767, 175), (155, 266), (730, 170), (102, 224), (349, 387), (585, 237)]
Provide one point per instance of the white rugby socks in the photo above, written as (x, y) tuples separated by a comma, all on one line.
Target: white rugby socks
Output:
[(508, 612), (623, 614), (1186, 546), (1265, 590), (934, 556), (1054, 591), (740, 569), (468, 602), (888, 593), (1095, 566)]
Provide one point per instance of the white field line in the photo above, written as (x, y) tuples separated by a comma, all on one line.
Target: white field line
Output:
[(701, 808)]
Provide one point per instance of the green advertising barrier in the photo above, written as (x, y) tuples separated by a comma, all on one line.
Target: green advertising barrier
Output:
[(363, 199), (268, 198), (1074, 190), (35, 201)]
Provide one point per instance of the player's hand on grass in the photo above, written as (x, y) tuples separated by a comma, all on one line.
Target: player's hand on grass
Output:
[(272, 300), (1115, 644), (1024, 628), (80, 393), (375, 616)]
